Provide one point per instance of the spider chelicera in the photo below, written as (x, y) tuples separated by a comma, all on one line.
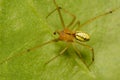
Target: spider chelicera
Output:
[(67, 35)]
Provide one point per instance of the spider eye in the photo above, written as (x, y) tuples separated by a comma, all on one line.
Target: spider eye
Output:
[(81, 36), (54, 33)]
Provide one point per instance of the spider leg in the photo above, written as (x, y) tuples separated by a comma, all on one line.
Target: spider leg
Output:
[(73, 16), (80, 56), (62, 52), (97, 17), (60, 15), (53, 12), (77, 23), (28, 50), (91, 49)]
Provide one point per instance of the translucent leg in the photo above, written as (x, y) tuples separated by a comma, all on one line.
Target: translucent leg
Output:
[(28, 50), (80, 56), (76, 24), (91, 49), (60, 15), (57, 55), (52, 12), (97, 17)]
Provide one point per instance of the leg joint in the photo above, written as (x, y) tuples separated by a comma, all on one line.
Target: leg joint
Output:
[(59, 7)]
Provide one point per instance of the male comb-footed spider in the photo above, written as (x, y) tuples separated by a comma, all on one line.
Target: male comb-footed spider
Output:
[(67, 35)]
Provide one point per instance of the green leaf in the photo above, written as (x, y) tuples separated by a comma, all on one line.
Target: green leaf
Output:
[(23, 25)]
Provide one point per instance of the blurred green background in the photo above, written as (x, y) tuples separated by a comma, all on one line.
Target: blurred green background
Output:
[(23, 25)]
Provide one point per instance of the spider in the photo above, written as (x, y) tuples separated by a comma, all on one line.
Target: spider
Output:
[(68, 36)]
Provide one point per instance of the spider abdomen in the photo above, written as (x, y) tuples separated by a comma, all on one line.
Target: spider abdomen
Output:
[(81, 36)]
